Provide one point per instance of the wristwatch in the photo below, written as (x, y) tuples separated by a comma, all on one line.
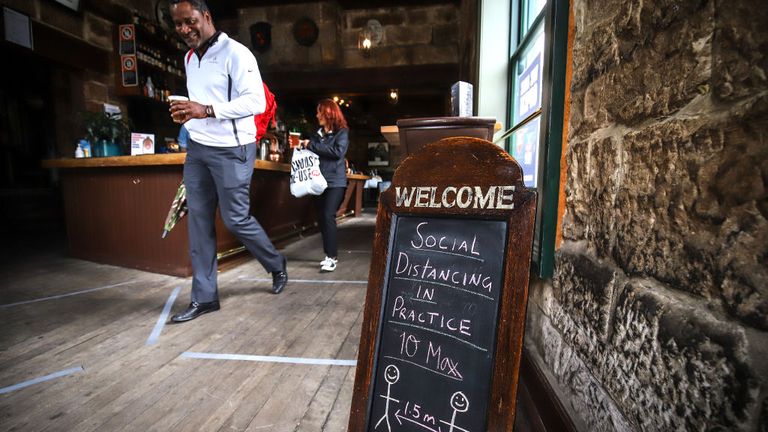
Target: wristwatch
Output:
[(209, 111)]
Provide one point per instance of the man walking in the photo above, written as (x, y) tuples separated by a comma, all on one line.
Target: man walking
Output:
[(225, 92)]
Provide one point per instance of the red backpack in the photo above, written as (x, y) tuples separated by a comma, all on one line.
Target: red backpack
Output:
[(264, 119)]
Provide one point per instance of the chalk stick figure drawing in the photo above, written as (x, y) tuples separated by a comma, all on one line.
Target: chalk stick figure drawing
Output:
[(391, 376), (459, 403)]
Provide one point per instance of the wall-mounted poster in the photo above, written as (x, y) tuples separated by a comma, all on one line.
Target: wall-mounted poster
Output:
[(17, 28), (378, 154), (525, 149), (529, 99)]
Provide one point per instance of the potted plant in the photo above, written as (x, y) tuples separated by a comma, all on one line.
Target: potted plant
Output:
[(106, 132)]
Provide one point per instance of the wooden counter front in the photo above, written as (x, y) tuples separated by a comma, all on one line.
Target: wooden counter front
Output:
[(115, 208)]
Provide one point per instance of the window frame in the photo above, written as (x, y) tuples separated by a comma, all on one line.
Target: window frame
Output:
[(554, 18)]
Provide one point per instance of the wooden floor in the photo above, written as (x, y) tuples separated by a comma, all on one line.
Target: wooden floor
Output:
[(116, 379)]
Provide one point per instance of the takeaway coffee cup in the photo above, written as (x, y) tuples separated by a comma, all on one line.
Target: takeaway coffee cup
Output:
[(174, 98)]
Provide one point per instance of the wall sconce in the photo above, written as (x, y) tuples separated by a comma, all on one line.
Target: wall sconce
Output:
[(394, 96), (370, 37)]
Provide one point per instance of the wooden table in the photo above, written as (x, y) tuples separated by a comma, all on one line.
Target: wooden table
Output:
[(115, 208)]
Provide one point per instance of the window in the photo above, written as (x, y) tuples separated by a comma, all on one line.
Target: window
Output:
[(526, 106), (538, 42)]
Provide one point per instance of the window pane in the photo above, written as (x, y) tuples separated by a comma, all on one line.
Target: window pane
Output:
[(525, 149), (531, 9), (528, 78)]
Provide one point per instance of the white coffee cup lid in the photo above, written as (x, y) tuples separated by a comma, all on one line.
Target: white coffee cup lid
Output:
[(174, 98)]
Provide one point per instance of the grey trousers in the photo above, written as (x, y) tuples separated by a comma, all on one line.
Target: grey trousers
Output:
[(222, 175)]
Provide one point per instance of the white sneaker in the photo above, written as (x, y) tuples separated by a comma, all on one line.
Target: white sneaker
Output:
[(329, 265), (325, 261)]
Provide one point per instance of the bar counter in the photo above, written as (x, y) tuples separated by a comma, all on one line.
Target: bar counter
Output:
[(115, 208)]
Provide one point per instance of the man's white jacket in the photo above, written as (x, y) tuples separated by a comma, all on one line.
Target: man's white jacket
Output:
[(226, 77)]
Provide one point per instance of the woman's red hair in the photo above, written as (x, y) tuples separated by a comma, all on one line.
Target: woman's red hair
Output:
[(332, 114)]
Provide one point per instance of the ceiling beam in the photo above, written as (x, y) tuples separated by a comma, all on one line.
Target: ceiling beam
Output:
[(436, 79)]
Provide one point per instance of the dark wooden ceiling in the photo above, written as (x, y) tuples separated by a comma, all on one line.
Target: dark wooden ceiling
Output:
[(414, 79), (228, 8), (346, 4)]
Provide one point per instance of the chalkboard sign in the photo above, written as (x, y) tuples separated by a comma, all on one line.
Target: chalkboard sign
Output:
[(447, 290), (437, 340)]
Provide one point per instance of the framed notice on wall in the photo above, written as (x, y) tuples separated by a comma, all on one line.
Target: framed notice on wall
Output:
[(71, 4), (17, 28)]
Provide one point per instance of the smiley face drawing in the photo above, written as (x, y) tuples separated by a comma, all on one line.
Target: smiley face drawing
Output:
[(391, 374), (459, 402)]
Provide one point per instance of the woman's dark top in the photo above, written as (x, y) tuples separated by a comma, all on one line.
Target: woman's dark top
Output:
[(332, 148)]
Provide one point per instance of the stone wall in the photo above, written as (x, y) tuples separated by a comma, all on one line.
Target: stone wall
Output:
[(411, 35), (657, 317)]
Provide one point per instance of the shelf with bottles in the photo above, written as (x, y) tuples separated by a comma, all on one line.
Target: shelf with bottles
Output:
[(147, 68), (149, 56), (158, 87), (158, 35), (148, 50)]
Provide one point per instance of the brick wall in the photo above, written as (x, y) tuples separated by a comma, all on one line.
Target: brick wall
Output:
[(657, 316)]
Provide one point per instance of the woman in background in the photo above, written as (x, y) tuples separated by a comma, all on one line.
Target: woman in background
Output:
[(330, 143)]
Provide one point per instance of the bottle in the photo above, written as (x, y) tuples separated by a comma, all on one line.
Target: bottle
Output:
[(150, 88), (79, 152), (86, 146)]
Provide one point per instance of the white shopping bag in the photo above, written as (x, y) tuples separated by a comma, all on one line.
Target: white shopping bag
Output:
[(306, 177)]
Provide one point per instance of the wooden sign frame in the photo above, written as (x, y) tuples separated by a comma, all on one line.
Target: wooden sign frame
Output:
[(461, 164)]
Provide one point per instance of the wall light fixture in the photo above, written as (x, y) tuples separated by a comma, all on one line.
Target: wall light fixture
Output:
[(370, 36)]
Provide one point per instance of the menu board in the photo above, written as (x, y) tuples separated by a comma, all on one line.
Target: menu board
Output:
[(444, 313), (435, 349)]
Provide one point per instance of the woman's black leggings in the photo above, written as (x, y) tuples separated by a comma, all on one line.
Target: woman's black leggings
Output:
[(326, 205)]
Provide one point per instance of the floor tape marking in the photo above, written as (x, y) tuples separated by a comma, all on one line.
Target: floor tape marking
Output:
[(65, 295), (325, 281), (48, 377), (268, 359), (163, 318)]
